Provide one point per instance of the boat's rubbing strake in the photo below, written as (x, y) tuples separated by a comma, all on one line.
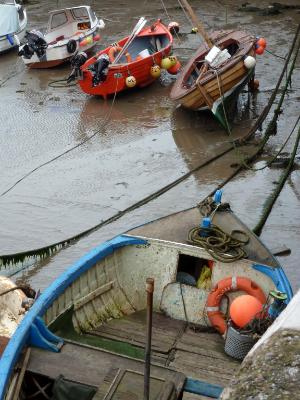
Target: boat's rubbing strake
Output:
[(26, 331), (278, 277)]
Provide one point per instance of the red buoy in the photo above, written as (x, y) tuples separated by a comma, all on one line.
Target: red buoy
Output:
[(173, 70), (244, 308), (260, 50), (261, 42)]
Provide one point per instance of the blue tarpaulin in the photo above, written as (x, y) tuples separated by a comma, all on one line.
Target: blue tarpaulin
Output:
[(9, 19)]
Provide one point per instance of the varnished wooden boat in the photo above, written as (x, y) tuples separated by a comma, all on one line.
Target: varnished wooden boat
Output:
[(146, 50), (96, 311), (199, 88)]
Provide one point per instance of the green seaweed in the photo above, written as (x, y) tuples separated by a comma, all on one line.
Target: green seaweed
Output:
[(63, 327)]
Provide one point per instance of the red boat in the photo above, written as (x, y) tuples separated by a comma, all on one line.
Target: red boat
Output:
[(113, 70)]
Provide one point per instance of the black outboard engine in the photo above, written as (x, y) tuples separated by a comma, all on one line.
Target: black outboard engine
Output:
[(35, 44), (76, 62), (100, 69)]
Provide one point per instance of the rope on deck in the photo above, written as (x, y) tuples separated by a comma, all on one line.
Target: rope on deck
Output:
[(46, 251)]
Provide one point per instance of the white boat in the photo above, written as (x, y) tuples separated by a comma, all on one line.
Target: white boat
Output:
[(13, 22), (68, 30)]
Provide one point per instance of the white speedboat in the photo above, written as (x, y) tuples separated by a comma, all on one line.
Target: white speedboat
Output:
[(13, 22), (68, 30)]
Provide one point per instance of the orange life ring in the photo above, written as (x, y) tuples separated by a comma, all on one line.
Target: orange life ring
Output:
[(116, 49), (231, 284)]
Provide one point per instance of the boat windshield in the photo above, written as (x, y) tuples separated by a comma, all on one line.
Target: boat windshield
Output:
[(80, 13)]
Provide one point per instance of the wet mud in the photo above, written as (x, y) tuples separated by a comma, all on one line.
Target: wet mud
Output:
[(147, 142)]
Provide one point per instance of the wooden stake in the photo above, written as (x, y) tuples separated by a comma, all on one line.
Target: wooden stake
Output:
[(198, 24), (149, 290)]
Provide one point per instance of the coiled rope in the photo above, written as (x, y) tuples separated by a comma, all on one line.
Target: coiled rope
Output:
[(219, 244)]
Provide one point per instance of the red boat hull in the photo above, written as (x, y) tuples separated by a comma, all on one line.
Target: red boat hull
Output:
[(117, 73)]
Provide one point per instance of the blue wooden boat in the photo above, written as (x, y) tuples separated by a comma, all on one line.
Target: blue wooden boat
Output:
[(86, 333)]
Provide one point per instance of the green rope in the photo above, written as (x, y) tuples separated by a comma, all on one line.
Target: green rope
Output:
[(273, 196), (219, 244)]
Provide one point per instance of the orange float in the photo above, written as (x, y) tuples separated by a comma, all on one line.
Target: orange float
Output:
[(244, 308), (231, 284)]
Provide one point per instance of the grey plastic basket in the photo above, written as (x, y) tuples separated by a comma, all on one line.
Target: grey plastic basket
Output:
[(237, 345)]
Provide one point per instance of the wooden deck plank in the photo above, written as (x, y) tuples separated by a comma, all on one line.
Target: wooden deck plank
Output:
[(132, 329), (198, 354), (91, 366)]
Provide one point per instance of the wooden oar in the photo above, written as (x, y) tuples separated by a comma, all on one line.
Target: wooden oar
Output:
[(198, 24), (136, 30)]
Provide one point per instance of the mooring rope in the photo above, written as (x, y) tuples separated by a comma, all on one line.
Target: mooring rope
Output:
[(267, 108), (50, 249), (61, 83), (274, 195)]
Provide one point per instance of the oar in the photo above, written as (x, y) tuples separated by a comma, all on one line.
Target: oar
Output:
[(136, 30)]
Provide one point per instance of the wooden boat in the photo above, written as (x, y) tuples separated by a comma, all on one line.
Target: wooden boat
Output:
[(13, 22), (201, 87), (69, 30), (86, 332), (146, 49)]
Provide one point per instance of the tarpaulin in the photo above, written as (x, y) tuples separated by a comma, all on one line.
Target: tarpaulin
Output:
[(9, 19)]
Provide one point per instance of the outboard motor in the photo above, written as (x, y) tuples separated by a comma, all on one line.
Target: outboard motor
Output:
[(100, 69), (76, 62), (35, 44)]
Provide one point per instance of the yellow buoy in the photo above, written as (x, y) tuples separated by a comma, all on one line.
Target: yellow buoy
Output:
[(166, 63), (173, 60), (89, 39), (155, 71), (130, 81)]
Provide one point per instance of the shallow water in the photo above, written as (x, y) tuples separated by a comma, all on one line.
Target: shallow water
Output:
[(146, 144)]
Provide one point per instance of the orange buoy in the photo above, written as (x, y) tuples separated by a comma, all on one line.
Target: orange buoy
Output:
[(230, 284), (175, 68), (253, 85), (244, 308), (84, 42), (260, 50), (261, 42)]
